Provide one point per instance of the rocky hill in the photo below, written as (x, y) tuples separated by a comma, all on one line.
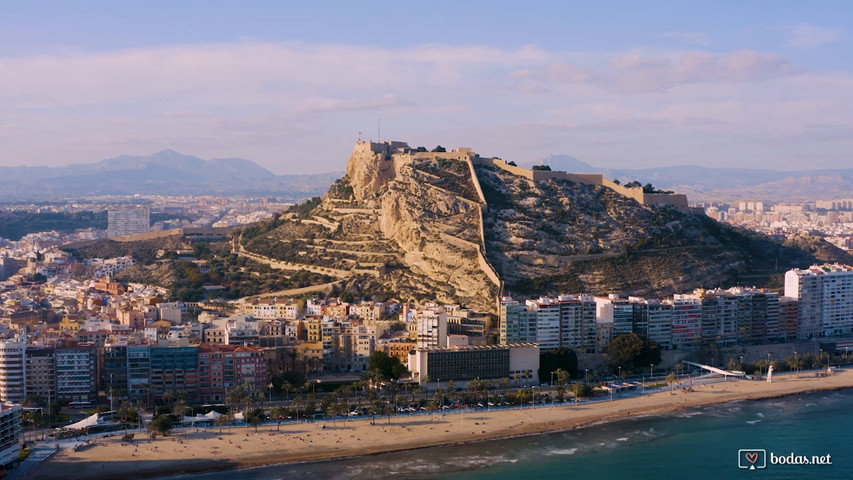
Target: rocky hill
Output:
[(402, 224), (451, 226)]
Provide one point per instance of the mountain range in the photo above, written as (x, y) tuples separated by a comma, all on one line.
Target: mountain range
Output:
[(724, 184), (165, 172), (170, 172)]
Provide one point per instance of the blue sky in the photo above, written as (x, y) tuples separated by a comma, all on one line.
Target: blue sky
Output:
[(290, 86)]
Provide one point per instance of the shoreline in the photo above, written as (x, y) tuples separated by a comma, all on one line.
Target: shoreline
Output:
[(195, 452)]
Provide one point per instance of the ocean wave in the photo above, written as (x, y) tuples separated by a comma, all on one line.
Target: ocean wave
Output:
[(563, 451)]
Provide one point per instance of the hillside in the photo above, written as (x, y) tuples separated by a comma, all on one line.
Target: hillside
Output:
[(564, 237), (396, 225), (454, 227)]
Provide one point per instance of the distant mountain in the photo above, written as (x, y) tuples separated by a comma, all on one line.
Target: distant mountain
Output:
[(707, 183), (166, 172)]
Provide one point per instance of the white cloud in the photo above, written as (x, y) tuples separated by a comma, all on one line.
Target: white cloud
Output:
[(690, 38), (635, 73), (298, 108), (804, 36)]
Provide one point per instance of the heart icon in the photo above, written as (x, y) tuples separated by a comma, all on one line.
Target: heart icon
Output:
[(751, 457)]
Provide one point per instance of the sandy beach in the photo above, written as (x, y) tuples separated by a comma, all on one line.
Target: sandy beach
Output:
[(240, 447)]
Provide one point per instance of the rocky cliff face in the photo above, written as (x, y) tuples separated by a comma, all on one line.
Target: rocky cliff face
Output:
[(561, 237), (414, 216), (408, 224)]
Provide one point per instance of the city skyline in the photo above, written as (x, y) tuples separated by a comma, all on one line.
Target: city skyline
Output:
[(290, 87)]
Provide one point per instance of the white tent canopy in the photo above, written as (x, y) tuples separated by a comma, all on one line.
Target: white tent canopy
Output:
[(207, 417), (86, 422)]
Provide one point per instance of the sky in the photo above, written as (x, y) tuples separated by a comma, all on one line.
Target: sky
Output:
[(293, 85)]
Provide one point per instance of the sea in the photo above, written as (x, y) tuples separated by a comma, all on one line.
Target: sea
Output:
[(712, 442)]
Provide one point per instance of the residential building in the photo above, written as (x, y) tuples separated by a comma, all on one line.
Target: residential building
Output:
[(518, 324), (41, 374), (431, 328), (174, 370), (12, 372), (10, 433), (127, 220), (686, 331), (825, 295), (76, 374)]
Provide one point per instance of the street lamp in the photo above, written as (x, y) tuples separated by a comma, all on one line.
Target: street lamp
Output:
[(270, 387), (651, 371), (768, 364), (620, 373), (586, 375)]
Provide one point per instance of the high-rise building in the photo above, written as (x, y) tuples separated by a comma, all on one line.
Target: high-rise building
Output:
[(41, 374), (13, 372), (547, 322), (10, 433), (432, 329), (686, 330), (127, 220), (660, 323), (76, 374), (825, 295), (578, 328), (174, 370), (518, 324)]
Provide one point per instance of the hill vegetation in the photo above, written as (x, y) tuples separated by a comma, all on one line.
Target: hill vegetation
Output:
[(16, 224)]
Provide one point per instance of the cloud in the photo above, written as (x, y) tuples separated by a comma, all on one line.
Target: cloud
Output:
[(636, 73), (806, 36), (690, 38), (298, 108)]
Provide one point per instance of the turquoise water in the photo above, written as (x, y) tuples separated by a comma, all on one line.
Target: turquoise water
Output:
[(698, 444)]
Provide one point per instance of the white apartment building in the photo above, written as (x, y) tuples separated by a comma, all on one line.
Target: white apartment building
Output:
[(13, 372), (547, 322), (431, 328), (825, 294), (127, 220)]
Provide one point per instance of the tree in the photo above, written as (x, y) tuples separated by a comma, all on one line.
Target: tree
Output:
[(255, 418), (439, 149), (179, 408), (631, 351), (160, 425), (223, 420), (546, 168), (558, 359), (670, 379), (385, 366), (581, 390), (278, 413), (421, 149)]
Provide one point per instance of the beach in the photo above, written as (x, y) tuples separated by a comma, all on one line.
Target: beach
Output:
[(239, 447)]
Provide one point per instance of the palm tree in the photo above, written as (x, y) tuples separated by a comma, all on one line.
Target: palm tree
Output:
[(278, 413), (179, 408), (670, 379), (223, 420), (505, 384)]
